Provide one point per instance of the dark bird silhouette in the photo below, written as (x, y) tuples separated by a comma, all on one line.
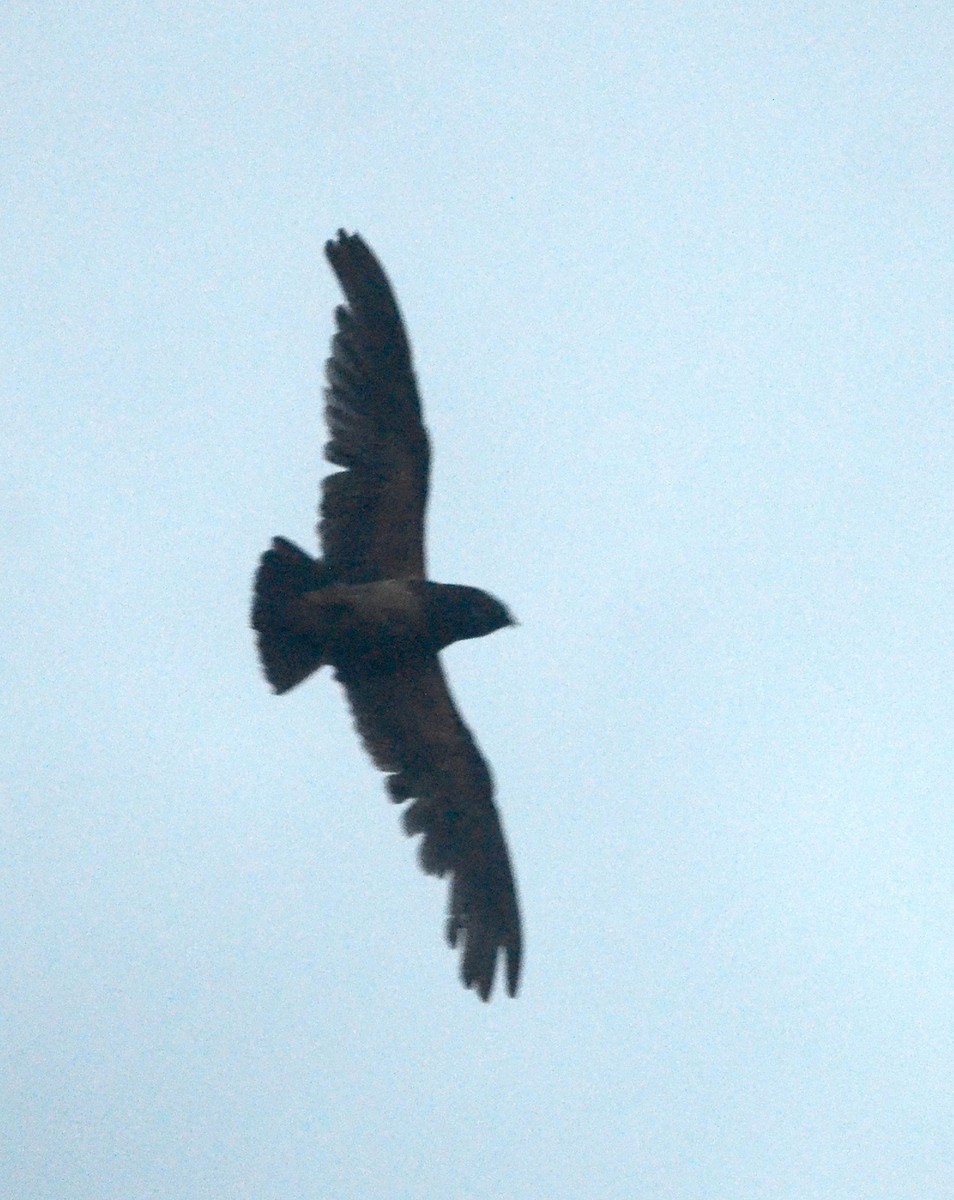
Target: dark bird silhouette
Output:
[(367, 610)]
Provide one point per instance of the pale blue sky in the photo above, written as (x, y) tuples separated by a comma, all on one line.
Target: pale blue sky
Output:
[(678, 279)]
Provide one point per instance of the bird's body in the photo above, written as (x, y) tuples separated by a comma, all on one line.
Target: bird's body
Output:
[(365, 617), (367, 610)]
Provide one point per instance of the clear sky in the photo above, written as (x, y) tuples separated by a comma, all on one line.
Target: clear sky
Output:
[(678, 278)]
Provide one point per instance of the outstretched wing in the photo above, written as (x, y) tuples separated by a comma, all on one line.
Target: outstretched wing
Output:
[(372, 513), (411, 728)]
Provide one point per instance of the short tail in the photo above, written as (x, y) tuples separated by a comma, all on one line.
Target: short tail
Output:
[(285, 572)]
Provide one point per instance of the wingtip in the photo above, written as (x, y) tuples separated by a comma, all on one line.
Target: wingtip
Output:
[(484, 986), (341, 241), (513, 970), (332, 245), (482, 978)]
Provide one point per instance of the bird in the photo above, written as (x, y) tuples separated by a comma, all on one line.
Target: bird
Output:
[(367, 609)]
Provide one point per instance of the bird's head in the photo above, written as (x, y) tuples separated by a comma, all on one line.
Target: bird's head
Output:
[(488, 613), (456, 612)]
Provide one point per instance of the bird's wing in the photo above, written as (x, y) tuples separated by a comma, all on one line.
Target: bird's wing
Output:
[(411, 728), (372, 513)]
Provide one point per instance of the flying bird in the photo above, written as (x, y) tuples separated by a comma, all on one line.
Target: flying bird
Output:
[(367, 610)]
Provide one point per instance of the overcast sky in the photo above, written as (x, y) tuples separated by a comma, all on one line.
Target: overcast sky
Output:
[(678, 280)]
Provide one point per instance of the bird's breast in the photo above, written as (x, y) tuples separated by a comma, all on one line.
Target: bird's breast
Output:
[(390, 604), (378, 623)]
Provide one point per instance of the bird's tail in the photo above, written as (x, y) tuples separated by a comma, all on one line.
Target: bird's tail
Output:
[(284, 573)]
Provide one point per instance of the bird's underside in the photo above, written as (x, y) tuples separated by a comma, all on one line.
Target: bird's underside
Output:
[(367, 610)]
